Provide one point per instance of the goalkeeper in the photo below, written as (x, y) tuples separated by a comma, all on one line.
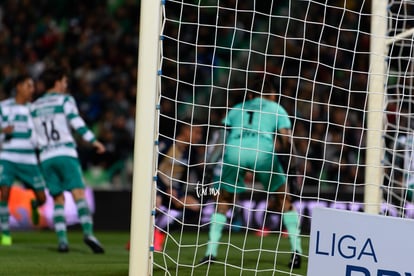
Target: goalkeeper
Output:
[(256, 129)]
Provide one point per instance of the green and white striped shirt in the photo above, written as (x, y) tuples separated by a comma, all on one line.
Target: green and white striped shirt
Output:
[(54, 116), (19, 146)]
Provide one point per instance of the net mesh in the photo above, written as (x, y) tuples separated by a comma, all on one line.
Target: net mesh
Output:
[(319, 52)]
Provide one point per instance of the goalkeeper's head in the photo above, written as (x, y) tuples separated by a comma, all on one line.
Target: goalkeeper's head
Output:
[(267, 87)]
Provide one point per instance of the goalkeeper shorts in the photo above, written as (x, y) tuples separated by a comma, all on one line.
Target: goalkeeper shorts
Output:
[(265, 166)]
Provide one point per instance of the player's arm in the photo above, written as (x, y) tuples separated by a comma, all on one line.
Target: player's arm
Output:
[(33, 136), (79, 125), (216, 152), (7, 129), (284, 149), (218, 139), (286, 152), (166, 176)]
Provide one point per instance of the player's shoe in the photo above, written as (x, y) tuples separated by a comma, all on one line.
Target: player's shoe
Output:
[(207, 259), (295, 260), (35, 212), (6, 240), (63, 247), (94, 244)]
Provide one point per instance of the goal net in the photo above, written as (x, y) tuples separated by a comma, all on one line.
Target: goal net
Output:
[(350, 121)]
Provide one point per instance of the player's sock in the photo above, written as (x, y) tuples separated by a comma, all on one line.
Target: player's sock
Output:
[(59, 221), (35, 212), (214, 235), (410, 192), (87, 227), (84, 217), (161, 221), (291, 222), (159, 238), (4, 218)]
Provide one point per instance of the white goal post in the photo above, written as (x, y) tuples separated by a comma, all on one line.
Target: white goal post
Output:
[(376, 98), (379, 68), (375, 126), (142, 213)]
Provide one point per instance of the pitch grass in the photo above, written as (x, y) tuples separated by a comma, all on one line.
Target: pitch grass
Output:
[(239, 254), (35, 253)]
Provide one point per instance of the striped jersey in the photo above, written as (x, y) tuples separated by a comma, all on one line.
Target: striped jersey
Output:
[(19, 146), (55, 115)]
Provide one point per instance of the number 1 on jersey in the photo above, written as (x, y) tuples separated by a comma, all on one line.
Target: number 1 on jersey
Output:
[(250, 113)]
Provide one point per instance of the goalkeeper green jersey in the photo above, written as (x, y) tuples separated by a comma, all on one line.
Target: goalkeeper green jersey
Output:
[(251, 128), (19, 146), (54, 116), (254, 123)]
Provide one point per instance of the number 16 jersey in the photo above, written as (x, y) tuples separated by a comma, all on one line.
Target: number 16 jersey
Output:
[(54, 116)]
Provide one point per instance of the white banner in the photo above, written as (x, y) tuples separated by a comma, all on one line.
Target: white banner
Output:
[(358, 244)]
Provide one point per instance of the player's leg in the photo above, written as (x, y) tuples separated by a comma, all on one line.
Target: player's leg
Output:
[(191, 203), (290, 216), (163, 218), (53, 181), (6, 180), (161, 223), (181, 199), (84, 214), (39, 200), (226, 197), (217, 222), (4, 215), (72, 179), (59, 221), (32, 177), (86, 221), (290, 219)]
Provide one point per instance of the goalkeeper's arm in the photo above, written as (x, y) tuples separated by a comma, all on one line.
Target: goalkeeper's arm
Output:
[(286, 152)]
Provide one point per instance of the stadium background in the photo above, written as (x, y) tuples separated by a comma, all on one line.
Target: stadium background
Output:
[(97, 41)]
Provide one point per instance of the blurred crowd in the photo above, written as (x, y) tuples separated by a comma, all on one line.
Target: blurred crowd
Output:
[(320, 54), (97, 42)]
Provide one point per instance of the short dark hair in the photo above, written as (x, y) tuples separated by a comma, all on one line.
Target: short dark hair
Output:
[(21, 78), (51, 75), (264, 83)]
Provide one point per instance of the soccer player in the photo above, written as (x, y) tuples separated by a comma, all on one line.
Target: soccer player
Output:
[(405, 163), (258, 139), (18, 156), (175, 159), (54, 115)]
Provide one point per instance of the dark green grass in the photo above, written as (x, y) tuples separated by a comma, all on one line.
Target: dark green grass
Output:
[(35, 253), (241, 255)]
